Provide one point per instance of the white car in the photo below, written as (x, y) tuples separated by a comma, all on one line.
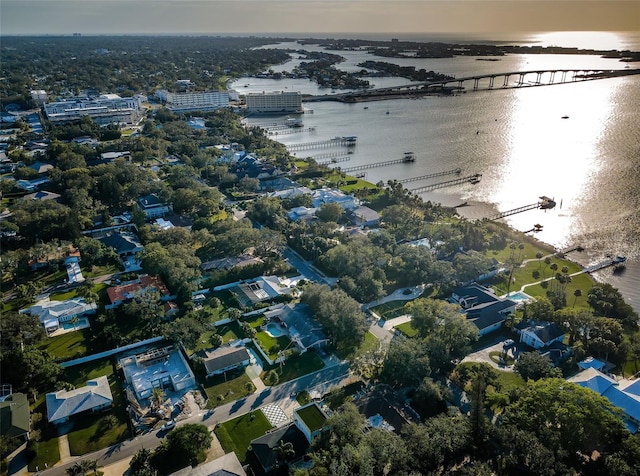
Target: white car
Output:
[(168, 425)]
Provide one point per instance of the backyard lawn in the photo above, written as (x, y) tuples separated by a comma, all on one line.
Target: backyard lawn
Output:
[(369, 344), (390, 309), (236, 435), (407, 329), (46, 452), (230, 388), (67, 346)]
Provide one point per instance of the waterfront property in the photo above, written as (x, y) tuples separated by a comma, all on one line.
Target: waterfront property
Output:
[(482, 307), (539, 334), (274, 102), (93, 397)]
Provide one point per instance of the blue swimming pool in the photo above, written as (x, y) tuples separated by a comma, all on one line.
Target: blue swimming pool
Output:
[(519, 296), (275, 330)]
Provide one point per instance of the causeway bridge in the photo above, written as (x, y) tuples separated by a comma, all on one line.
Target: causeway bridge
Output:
[(493, 81)]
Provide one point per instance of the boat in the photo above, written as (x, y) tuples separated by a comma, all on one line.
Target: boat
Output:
[(366, 107), (409, 157), (565, 117), (387, 112)]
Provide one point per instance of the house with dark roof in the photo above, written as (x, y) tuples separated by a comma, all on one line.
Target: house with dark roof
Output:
[(42, 195), (14, 416), (299, 324), (263, 454), (152, 206), (262, 288), (122, 242), (364, 217), (627, 399), (539, 334), (93, 397), (224, 359), (482, 307), (251, 167)]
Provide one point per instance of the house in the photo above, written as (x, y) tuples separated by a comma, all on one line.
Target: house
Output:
[(627, 399), (230, 263), (119, 294), (539, 334), (31, 185), (482, 307), (329, 195), (53, 314), (301, 327), (14, 416), (93, 397), (40, 167), (364, 217), (111, 156), (41, 196), (224, 359), (384, 408), (152, 206), (251, 167), (302, 213), (310, 420), (263, 288), (122, 242), (225, 465), (163, 367), (263, 454)]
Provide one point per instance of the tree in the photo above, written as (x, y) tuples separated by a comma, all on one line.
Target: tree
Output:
[(187, 444), (330, 212), (534, 366), (566, 418), (185, 330), (272, 378), (157, 397), (407, 362), (577, 293), (141, 464)]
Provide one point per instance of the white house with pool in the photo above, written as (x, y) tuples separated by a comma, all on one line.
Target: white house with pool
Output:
[(296, 322)]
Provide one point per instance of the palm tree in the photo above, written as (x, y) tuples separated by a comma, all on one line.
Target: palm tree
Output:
[(539, 258), (157, 397), (284, 452), (547, 262)]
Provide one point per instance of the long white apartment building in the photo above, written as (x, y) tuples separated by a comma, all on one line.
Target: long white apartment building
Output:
[(104, 109), (194, 101), (274, 102)]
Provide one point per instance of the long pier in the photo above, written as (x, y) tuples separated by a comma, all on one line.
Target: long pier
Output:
[(329, 155), (377, 164), (473, 179), (348, 141), (335, 160), (290, 130), (605, 264), (545, 203), (430, 176)]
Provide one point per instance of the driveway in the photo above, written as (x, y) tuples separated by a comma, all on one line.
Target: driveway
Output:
[(482, 355)]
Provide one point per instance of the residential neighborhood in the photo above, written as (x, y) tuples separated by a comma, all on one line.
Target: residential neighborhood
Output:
[(183, 295)]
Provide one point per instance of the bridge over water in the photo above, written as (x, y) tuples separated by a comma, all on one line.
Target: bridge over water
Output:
[(505, 80)]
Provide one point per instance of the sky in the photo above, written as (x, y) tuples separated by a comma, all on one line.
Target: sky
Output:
[(28, 17)]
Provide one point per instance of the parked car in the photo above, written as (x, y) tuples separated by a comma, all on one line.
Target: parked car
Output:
[(168, 425)]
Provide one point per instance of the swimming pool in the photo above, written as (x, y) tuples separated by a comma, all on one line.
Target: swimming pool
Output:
[(519, 296), (275, 330), (82, 323)]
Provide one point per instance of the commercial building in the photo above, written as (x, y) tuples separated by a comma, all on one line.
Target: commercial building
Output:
[(274, 102), (39, 96), (194, 101), (104, 109)]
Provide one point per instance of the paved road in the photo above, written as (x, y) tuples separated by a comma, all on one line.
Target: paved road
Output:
[(321, 381), (304, 267)]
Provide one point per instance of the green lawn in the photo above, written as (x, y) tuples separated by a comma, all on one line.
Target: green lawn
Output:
[(46, 452), (297, 366), (236, 435), (89, 433), (272, 345), (229, 332), (312, 417), (67, 346), (407, 329), (369, 344), (231, 387), (390, 310)]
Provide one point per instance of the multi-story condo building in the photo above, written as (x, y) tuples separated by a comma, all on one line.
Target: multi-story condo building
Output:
[(194, 101), (274, 102), (104, 109), (39, 96)]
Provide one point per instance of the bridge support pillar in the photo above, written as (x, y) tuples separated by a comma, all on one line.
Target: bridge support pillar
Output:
[(506, 80), (552, 77), (521, 79), (475, 83), (564, 77), (491, 79), (538, 77)]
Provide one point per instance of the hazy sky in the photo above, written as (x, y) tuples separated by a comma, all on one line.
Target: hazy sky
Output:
[(24, 17)]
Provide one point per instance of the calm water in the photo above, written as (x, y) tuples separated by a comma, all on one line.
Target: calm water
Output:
[(589, 163)]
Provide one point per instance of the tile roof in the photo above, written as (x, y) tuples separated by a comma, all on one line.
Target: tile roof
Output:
[(122, 293), (225, 357)]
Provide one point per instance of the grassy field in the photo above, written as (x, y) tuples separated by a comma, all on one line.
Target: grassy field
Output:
[(93, 431), (46, 452), (67, 346), (390, 310), (407, 329), (369, 344), (236, 435), (231, 387), (297, 366)]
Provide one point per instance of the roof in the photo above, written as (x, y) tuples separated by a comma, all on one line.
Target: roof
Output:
[(364, 214), (593, 379), (263, 446), (14, 415), (374, 404), (591, 363), (475, 293), (312, 416), (122, 242), (225, 357), (47, 309), (301, 325), (546, 331), (260, 289), (122, 293), (63, 404), (229, 263), (150, 201), (226, 465)]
